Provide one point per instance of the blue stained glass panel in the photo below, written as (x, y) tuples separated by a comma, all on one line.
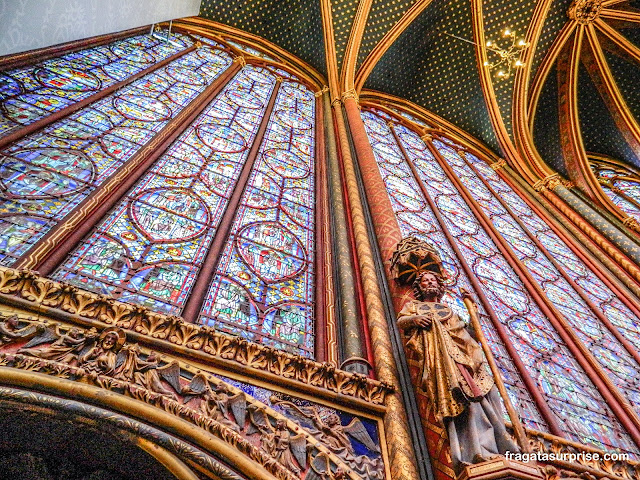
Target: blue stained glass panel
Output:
[(47, 174), (30, 93), (264, 288)]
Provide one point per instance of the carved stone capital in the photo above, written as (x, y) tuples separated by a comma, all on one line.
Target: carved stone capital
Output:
[(551, 182), (350, 94), (632, 224), (321, 92), (241, 60), (499, 164)]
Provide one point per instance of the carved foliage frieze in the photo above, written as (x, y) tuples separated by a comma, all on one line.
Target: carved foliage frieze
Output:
[(42, 292)]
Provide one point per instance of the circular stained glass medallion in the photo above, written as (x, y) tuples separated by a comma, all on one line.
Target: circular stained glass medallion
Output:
[(65, 78), (45, 172), (271, 251), (170, 215), (221, 138)]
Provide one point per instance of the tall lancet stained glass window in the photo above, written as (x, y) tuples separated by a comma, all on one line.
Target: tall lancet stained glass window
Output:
[(44, 176), (149, 249), (235, 190), (264, 286), (420, 174)]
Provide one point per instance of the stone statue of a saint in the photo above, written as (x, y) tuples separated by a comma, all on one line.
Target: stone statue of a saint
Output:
[(454, 375)]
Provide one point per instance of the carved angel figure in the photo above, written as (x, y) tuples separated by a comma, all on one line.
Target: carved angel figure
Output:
[(277, 441), (217, 401), (65, 348), (330, 430), (102, 358), (10, 330), (320, 469), (148, 373)]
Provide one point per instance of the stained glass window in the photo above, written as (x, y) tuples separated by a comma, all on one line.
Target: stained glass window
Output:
[(30, 93), (150, 247), (45, 175), (569, 392), (621, 184), (264, 286), (572, 304)]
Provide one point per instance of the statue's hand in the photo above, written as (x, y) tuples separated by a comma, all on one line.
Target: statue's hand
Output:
[(414, 321), (422, 321)]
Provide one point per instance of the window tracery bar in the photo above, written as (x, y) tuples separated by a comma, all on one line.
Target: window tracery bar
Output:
[(149, 249), (569, 299), (566, 388), (264, 286), (45, 175), (28, 94)]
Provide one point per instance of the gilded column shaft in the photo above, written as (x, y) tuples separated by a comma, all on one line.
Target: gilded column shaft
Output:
[(401, 454), (351, 342)]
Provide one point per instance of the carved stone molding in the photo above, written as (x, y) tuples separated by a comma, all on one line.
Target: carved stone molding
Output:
[(551, 182), (104, 359), (26, 400), (241, 60), (350, 94), (37, 293), (499, 164), (631, 223)]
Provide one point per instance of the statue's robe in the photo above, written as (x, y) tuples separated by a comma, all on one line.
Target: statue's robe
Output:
[(450, 369)]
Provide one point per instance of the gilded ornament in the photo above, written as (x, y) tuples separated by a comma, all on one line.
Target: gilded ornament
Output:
[(350, 94), (241, 60), (631, 223), (104, 359), (447, 364), (585, 11)]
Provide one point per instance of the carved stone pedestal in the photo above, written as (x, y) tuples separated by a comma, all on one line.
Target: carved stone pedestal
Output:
[(501, 468)]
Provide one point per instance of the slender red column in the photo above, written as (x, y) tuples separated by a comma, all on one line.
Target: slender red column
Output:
[(210, 262), (385, 224), (51, 250), (388, 235)]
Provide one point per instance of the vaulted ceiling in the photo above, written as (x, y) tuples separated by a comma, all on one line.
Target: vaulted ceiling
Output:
[(426, 51)]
